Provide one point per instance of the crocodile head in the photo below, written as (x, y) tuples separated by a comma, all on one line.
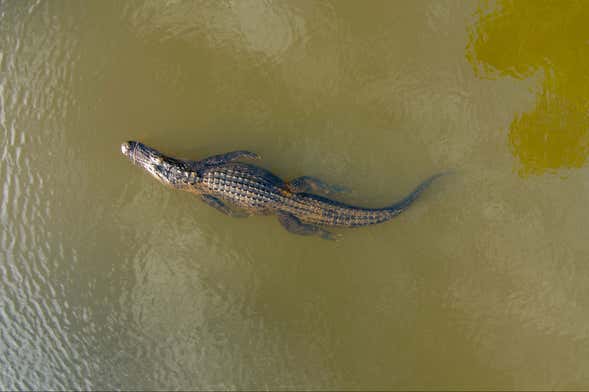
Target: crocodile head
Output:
[(167, 170)]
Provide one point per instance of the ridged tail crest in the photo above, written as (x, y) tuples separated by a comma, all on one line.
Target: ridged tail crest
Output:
[(400, 206), (321, 210)]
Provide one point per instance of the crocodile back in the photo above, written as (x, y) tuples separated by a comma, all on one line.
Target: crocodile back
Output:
[(244, 186)]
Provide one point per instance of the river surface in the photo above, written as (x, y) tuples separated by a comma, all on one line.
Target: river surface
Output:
[(108, 280)]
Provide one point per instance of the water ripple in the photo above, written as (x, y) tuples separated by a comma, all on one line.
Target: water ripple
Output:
[(40, 349)]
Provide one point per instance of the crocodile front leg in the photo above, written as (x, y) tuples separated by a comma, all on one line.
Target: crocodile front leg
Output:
[(295, 226), (310, 184), (222, 207), (221, 159)]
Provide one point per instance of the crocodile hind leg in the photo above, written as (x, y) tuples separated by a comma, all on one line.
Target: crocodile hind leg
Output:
[(222, 207), (295, 226), (310, 184)]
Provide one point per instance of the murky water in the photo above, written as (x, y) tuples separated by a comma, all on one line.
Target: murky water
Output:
[(109, 280)]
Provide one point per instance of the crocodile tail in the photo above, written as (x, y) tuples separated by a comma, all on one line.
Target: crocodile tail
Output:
[(400, 206)]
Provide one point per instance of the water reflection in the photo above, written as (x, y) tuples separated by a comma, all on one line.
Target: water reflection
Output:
[(262, 28), (551, 40)]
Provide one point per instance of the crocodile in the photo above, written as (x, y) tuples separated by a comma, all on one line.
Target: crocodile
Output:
[(303, 205)]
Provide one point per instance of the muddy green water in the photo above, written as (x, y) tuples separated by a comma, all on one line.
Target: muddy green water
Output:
[(109, 280)]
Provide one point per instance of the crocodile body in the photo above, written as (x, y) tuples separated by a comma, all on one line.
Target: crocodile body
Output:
[(241, 189)]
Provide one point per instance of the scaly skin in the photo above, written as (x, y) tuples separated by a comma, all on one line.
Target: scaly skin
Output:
[(255, 191)]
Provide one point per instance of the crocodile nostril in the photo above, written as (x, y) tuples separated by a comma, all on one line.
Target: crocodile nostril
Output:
[(125, 147)]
